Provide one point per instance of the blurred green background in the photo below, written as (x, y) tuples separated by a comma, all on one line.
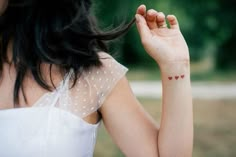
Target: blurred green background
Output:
[(209, 27)]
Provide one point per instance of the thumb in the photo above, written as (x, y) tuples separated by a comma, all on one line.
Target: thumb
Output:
[(142, 26)]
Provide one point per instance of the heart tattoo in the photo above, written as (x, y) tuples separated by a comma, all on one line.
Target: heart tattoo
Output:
[(176, 77)]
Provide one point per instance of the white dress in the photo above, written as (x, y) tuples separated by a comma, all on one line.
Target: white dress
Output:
[(54, 125)]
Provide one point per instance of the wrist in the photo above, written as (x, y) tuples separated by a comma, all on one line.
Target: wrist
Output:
[(177, 70)]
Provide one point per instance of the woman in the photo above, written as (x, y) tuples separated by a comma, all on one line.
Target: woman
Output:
[(57, 83)]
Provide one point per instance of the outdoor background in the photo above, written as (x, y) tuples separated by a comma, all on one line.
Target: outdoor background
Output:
[(209, 27)]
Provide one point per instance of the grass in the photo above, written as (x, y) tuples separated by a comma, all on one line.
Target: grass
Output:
[(215, 128), (214, 123)]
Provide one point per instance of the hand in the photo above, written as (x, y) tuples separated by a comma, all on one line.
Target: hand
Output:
[(165, 45)]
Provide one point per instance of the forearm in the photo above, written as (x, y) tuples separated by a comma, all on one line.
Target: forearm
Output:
[(176, 130), (165, 45)]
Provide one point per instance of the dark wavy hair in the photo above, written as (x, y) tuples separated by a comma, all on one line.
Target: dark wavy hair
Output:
[(58, 32)]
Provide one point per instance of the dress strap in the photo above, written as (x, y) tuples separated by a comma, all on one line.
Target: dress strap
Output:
[(62, 87)]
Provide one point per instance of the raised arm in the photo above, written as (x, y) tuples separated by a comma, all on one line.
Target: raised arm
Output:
[(168, 48), (130, 126)]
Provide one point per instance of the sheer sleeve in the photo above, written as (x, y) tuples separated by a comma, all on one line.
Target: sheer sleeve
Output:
[(112, 72), (93, 87)]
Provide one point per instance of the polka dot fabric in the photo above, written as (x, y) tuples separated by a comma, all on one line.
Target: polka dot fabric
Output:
[(92, 87), (54, 125)]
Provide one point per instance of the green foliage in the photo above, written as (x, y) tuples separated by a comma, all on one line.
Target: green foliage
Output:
[(208, 26), (213, 23)]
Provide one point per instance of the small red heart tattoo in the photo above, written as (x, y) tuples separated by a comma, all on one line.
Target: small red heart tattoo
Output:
[(182, 76), (176, 77), (170, 78)]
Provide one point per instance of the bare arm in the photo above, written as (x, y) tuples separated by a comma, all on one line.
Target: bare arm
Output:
[(176, 130), (130, 126)]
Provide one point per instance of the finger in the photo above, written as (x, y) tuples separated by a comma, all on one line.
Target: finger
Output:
[(142, 26), (141, 10), (161, 20), (173, 22), (152, 18)]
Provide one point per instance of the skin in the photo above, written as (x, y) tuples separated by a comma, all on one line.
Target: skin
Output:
[(132, 129), (3, 6)]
